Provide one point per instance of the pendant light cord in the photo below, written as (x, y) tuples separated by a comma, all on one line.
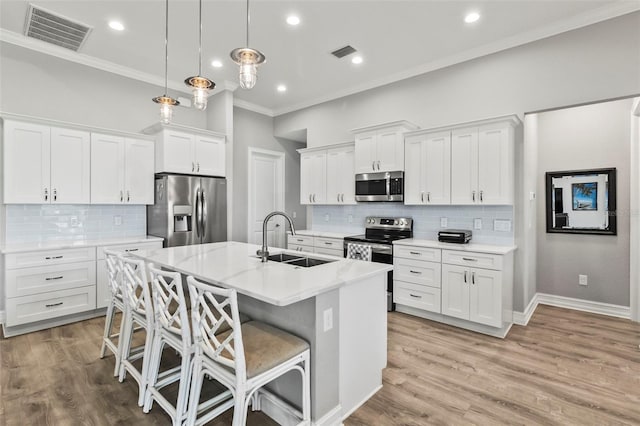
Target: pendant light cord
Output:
[(248, 23), (166, 46), (200, 42)]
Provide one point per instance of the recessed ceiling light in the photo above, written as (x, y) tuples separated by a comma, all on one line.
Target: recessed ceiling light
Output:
[(116, 25), (282, 88), (293, 20), (216, 63), (471, 17), (356, 60)]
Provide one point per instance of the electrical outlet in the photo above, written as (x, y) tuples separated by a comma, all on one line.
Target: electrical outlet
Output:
[(294, 214), (582, 279), (117, 220), (326, 217), (477, 223), (328, 319), (502, 225), (73, 221), (444, 222)]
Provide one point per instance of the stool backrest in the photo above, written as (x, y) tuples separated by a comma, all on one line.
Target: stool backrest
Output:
[(114, 272), (169, 303), (135, 286), (211, 307)]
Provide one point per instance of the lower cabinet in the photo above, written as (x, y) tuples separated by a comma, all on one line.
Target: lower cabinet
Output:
[(316, 244)]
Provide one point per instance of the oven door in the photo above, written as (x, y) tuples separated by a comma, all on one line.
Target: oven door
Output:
[(372, 187)]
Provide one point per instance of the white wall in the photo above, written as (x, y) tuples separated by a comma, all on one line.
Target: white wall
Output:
[(586, 137)]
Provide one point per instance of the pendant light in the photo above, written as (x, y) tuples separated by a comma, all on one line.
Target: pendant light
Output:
[(200, 85), (248, 59), (166, 102)]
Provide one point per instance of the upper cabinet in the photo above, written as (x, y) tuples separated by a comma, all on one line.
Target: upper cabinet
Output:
[(381, 148), (181, 149), (44, 164), (428, 168), (327, 175), (122, 170)]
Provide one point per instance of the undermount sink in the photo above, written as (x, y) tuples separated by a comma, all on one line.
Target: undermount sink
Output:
[(303, 261)]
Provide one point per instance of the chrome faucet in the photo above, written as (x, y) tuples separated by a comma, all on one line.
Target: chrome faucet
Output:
[(264, 251)]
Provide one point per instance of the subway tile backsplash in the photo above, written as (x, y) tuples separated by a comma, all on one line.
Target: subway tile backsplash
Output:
[(34, 223), (426, 219)]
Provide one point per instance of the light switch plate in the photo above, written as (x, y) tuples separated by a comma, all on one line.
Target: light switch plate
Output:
[(444, 222), (328, 319), (582, 279), (326, 217), (477, 223), (117, 220), (502, 225), (294, 215)]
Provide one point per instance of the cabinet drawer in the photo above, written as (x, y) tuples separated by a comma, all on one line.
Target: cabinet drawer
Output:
[(329, 251), (474, 259), (416, 296), (328, 243), (417, 253), (129, 248), (298, 247), (302, 240), (42, 279), (49, 257), (414, 271), (22, 310)]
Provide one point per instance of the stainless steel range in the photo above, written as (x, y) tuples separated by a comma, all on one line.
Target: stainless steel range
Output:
[(380, 233)]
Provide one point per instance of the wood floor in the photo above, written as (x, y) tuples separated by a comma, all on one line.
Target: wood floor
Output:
[(565, 367)]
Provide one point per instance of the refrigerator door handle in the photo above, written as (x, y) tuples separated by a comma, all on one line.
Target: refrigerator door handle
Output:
[(203, 213), (197, 213)]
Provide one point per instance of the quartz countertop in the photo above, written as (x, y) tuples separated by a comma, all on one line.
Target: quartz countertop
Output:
[(235, 265), (482, 248), (56, 245)]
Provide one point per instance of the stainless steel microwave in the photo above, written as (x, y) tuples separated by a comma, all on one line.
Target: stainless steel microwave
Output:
[(383, 186)]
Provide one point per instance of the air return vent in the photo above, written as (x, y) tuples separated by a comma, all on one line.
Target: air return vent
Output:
[(343, 51), (55, 29)]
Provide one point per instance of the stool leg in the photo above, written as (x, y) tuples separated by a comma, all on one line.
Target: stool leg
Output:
[(144, 374), (197, 377), (183, 390), (108, 322), (126, 334), (240, 408), (306, 390), (154, 368)]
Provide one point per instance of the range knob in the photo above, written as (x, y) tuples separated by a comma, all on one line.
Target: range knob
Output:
[(402, 222), (396, 222)]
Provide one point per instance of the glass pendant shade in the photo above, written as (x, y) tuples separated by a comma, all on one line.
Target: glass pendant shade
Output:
[(248, 59), (200, 89), (166, 108)]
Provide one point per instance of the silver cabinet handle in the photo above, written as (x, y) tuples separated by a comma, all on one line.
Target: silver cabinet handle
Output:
[(309, 197), (373, 165), (428, 197), (300, 241), (469, 259), (55, 194), (415, 272), (378, 164), (46, 194), (193, 166), (314, 198), (121, 196), (328, 243), (473, 278), (422, 196), (128, 196), (198, 163), (54, 278), (465, 276), (473, 196), (53, 257), (415, 295), (338, 197), (130, 250), (51, 305), (481, 198), (415, 253), (342, 198)]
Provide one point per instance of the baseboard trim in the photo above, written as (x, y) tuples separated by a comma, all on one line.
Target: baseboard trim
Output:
[(522, 318), (585, 305)]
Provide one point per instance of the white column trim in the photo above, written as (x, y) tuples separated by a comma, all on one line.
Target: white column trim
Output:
[(634, 249)]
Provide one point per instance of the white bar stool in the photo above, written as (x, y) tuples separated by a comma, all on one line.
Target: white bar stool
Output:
[(114, 277), (137, 298), (243, 358)]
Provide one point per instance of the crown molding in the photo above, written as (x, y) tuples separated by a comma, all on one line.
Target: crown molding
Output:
[(100, 64), (252, 107), (589, 18)]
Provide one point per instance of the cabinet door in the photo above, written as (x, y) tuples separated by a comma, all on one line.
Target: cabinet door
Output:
[(495, 165), (464, 166), (390, 151), (107, 169), (177, 153), (306, 178), (485, 297), (365, 153), (414, 181), (319, 177), (138, 172), (437, 168), (26, 163), (209, 155), (334, 176), (348, 176), (70, 166), (455, 291)]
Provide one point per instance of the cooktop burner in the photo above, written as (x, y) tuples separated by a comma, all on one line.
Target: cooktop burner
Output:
[(384, 230)]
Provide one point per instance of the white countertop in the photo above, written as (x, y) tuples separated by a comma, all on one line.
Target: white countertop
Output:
[(323, 234), (235, 265), (55, 245), (482, 248)]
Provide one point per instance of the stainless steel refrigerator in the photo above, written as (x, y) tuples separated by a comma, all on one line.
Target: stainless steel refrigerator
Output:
[(188, 210)]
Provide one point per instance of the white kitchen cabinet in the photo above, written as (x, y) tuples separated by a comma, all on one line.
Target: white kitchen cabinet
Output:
[(45, 164), (122, 170), (182, 149), (341, 175), (464, 166), (428, 168), (316, 244), (455, 291), (313, 177), (381, 148)]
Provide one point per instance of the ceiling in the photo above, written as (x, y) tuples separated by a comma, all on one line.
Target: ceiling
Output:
[(397, 39)]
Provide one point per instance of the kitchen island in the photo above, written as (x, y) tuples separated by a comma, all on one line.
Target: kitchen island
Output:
[(338, 307)]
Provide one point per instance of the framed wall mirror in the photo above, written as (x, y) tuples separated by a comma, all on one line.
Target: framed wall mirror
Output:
[(581, 201)]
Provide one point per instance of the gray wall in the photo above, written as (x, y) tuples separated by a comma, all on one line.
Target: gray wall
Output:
[(256, 130), (594, 136), (44, 86)]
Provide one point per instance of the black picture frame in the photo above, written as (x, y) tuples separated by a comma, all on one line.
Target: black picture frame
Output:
[(555, 210)]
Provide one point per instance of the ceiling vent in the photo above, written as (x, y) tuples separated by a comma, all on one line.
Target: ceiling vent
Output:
[(55, 29), (343, 51)]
